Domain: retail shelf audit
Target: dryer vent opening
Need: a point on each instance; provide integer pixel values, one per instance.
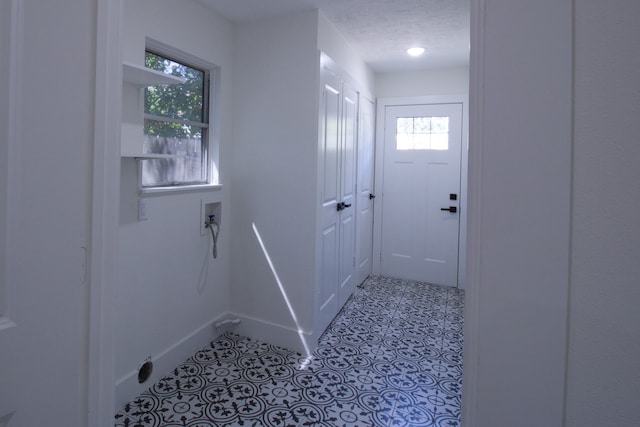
(145, 371)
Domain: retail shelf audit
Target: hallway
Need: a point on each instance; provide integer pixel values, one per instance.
(392, 357)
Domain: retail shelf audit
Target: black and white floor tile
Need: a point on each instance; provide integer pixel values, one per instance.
(392, 357)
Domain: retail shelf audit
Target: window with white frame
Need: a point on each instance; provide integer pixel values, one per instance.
(176, 124)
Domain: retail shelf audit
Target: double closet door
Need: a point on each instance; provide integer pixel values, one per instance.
(338, 138)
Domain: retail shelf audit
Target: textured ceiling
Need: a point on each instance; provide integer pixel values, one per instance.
(379, 30)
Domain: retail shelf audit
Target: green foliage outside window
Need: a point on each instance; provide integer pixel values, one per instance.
(177, 101)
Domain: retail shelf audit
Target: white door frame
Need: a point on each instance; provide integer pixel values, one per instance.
(105, 214)
(382, 104)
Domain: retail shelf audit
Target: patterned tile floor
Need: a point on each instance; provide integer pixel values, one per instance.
(392, 357)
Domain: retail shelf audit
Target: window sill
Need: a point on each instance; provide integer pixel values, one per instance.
(179, 189)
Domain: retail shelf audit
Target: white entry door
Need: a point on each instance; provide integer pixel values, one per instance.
(421, 192)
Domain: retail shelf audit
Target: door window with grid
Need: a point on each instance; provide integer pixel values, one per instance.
(422, 133)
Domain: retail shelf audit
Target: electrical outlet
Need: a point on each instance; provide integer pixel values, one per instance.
(142, 210)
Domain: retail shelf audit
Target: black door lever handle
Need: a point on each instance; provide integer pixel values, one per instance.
(342, 206)
(451, 209)
(372, 196)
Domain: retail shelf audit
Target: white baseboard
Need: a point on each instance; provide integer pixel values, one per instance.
(279, 335)
(127, 387)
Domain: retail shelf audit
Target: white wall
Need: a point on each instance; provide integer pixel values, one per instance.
(441, 81)
(274, 169)
(520, 195)
(564, 253)
(43, 354)
(170, 290)
(331, 42)
(603, 381)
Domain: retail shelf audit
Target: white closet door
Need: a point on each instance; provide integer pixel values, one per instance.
(347, 213)
(337, 153)
(330, 169)
(366, 147)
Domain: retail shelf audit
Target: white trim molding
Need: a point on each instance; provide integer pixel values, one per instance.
(474, 211)
(127, 387)
(105, 213)
(519, 224)
(14, 136)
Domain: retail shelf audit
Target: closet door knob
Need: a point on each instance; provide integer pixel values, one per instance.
(342, 206)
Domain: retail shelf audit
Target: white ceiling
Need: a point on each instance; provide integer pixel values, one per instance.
(379, 30)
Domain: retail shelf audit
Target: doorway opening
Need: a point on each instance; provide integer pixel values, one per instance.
(421, 174)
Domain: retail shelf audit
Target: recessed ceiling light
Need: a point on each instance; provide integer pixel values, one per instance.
(415, 51)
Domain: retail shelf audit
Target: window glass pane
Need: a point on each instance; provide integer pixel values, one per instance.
(422, 133)
(185, 143)
(405, 126)
(177, 101)
(440, 124)
(404, 141)
(439, 141)
(422, 125)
